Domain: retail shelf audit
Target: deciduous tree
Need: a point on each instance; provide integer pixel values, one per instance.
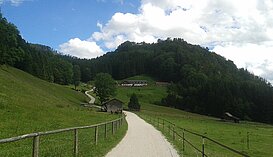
(105, 86)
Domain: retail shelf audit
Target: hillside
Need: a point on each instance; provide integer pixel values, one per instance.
(198, 75)
(28, 104)
(228, 133)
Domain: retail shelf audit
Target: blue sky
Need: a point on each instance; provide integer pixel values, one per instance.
(53, 22)
(238, 30)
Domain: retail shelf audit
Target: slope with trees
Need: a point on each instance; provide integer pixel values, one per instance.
(38, 60)
(203, 81)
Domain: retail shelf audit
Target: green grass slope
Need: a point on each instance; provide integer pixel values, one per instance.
(142, 77)
(28, 104)
(147, 95)
(233, 135)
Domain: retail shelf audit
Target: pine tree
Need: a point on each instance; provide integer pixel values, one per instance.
(76, 75)
(134, 104)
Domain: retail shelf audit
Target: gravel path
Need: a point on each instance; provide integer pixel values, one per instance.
(92, 99)
(142, 140)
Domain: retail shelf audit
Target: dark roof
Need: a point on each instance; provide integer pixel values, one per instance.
(107, 102)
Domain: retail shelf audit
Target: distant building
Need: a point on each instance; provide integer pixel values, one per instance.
(162, 83)
(113, 106)
(229, 117)
(134, 83)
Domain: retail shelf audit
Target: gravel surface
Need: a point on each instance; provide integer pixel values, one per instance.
(92, 99)
(142, 140)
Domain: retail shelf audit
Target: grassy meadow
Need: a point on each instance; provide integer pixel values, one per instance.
(29, 104)
(230, 134)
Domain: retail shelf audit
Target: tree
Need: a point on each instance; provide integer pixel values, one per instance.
(76, 75)
(134, 104)
(105, 86)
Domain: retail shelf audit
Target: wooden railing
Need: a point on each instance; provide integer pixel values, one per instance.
(115, 124)
(176, 131)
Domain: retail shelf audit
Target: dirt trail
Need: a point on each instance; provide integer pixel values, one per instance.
(142, 140)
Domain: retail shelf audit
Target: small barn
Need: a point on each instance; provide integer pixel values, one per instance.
(229, 117)
(134, 83)
(113, 106)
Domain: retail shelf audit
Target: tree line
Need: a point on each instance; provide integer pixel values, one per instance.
(202, 81)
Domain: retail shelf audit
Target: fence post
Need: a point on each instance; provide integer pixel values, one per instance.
(76, 142)
(183, 142)
(105, 131)
(163, 125)
(35, 149)
(113, 128)
(247, 140)
(157, 122)
(169, 128)
(123, 119)
(173, 134)
(96, 134)
(203, 146)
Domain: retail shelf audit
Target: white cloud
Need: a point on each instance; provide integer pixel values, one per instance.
(239, 30)
(13, 2)
(256, 58)
(199, 22)
(81, 48)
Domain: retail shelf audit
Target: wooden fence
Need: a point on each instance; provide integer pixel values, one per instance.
(115, 124)
(176, 131)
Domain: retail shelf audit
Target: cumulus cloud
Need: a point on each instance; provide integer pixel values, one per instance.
(13, 2)
(81, 48)
(199, 22)
(239, 30)
(258, 59)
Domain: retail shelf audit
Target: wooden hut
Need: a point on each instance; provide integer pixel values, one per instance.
(113, 106)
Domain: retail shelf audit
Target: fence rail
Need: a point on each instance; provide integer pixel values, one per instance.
(36, 136)
(172, 129)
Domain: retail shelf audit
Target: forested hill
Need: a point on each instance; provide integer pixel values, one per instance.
(203, 81)
(38, 60)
